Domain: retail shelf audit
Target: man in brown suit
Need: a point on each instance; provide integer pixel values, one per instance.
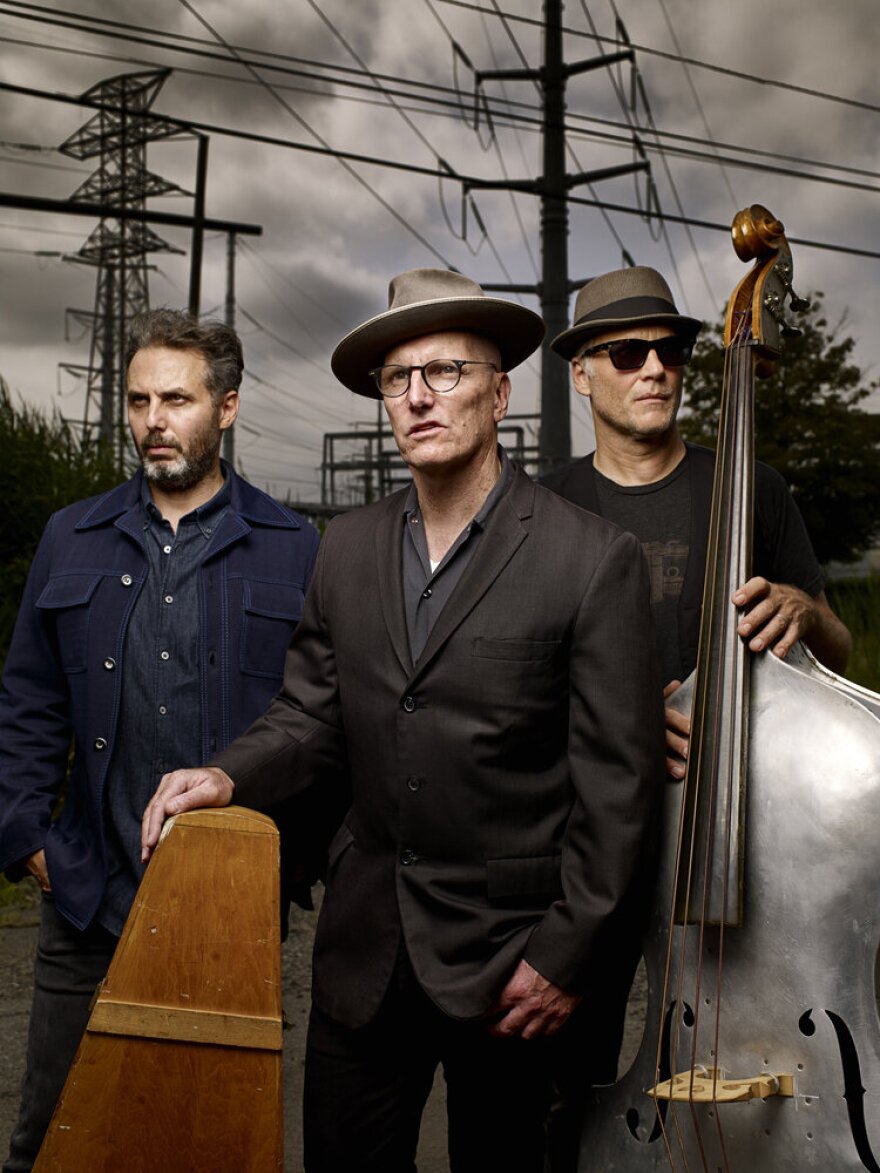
(476, 658)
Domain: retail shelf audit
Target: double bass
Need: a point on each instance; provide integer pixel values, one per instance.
(761, 1050)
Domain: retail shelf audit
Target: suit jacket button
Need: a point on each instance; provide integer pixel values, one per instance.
(407, 857)
(100, 743)
(126, 580)
(414, 782)
(109, 663)
(409, 704)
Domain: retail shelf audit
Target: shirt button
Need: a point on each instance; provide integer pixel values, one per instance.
(162, 710)
(409, 704)
(100, 743)
(165, 655)
(126, 580)
(414, 783)
(169, 598)
(426, 593)
(109, 663)
(166, 549)
(407, 857)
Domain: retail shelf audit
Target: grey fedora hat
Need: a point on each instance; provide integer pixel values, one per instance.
(625, 297)
(422, 301)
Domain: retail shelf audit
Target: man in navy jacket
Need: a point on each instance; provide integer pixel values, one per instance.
(153, 629)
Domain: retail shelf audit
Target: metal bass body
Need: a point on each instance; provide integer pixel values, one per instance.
(797, 981)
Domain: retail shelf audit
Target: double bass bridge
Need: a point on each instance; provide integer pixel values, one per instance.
(709, 1085)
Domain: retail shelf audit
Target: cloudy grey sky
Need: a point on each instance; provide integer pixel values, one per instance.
(330, 243)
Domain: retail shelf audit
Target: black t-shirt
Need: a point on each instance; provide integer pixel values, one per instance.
(680, 504)
(659, 516)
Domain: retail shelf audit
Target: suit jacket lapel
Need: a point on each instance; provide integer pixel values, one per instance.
(504, 534)
(389, 570)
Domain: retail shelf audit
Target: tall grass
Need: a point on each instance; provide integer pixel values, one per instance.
(857, 602)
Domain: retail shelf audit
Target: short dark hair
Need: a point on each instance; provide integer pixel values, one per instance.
(217, 343)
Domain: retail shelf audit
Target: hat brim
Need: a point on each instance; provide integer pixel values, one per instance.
(570, 341)
(515, 330)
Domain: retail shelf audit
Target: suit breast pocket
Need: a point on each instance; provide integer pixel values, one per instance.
(67, 598)
(271, 611)
(523, 681)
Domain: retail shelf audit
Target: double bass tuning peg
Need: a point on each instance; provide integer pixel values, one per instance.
(783, 270)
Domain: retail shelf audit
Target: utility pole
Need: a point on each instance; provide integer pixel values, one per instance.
(554, 443)
(555, 434)
(229, 317)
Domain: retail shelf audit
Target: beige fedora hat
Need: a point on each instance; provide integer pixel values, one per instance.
(422, 301)
(625, 297)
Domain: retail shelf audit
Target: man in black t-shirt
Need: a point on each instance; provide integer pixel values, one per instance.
(628, 348)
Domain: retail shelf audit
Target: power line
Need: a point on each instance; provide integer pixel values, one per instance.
(281, 341)
(272, 140)
(257, 258)
(531, 120)
(670, 28)
(740, 74)
(342, 162)
(409, 122)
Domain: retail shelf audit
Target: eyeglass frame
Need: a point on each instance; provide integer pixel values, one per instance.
(652, 344)
(375, 372)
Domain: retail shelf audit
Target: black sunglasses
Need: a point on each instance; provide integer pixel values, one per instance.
(631, 354)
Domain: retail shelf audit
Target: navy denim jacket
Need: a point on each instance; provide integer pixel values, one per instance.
(62, 675)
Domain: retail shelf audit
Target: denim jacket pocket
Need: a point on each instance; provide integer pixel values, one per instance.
(67, 598)
(271, 611)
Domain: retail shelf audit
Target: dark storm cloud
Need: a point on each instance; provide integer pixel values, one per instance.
(329, 247)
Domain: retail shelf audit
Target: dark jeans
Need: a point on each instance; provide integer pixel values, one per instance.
(69, 964)
(365, 1091)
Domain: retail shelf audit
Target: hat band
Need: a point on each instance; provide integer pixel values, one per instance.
(629, 307)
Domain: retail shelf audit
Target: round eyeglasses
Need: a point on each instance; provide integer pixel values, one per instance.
(631, 354)
(440, 374)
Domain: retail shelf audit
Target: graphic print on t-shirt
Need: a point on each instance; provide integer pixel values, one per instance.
(667, 562)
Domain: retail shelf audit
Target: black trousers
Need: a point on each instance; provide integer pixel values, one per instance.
(68, 966)
(365, 1091)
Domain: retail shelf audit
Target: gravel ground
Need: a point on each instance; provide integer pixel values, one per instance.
(18, 932)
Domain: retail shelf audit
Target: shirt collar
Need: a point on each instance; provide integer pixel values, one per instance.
(204, 516)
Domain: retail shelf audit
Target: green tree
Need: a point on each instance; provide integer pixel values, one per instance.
(809, 426)
(43, 468)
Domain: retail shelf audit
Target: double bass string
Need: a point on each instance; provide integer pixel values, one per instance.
(736, 558)
(690, 796)
(720, 530)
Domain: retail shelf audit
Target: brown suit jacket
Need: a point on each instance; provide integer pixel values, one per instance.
(503, 788)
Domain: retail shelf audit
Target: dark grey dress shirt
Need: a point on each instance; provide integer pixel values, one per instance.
(160, 716)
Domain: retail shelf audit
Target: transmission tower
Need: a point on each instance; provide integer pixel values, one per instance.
(117, 135)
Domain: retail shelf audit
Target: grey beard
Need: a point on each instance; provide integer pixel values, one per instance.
(183, 473)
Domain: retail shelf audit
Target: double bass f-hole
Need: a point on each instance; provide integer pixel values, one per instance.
(761, 1052)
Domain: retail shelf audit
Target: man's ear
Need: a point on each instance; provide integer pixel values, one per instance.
(579, 377)
(502, 398)
(228, 409)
